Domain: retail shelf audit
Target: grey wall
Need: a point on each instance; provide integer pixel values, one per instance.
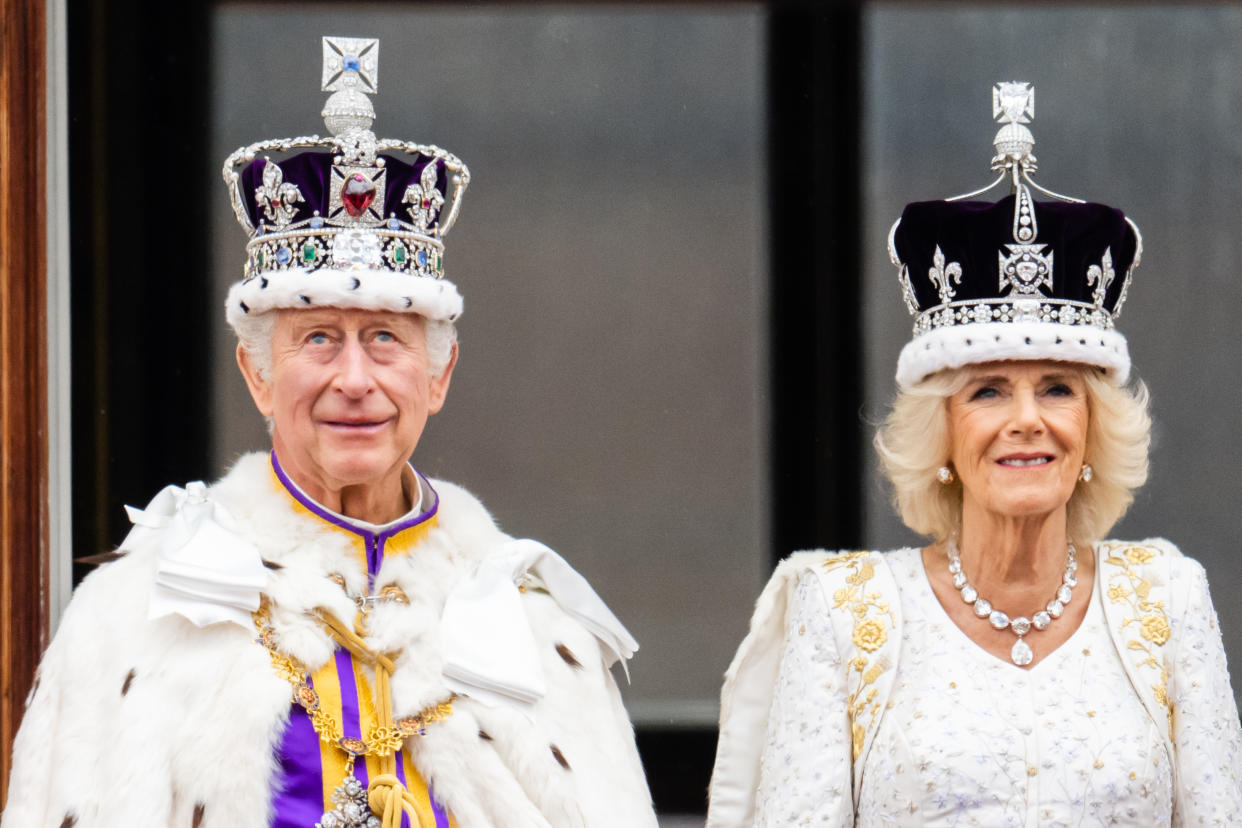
(1137, 107)
(610, 398)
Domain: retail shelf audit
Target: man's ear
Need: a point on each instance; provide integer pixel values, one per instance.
(260, 387)
(440, 384)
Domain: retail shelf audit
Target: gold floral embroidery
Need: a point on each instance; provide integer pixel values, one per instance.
(1117, 593)
(870, 634)
(1128, 586)
(1155, 629)
(868, 609)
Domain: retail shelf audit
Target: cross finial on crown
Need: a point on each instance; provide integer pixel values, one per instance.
(351, 63)
(1013, 102)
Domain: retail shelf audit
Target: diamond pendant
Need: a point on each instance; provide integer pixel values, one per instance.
(1021, 653)
(352, 808)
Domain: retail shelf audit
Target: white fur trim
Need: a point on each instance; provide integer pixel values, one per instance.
(970, 344)
(328, 287)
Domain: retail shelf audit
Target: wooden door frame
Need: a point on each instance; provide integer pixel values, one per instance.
(23, 362)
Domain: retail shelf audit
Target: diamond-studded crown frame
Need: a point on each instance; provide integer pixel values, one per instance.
(348, 220)
(1018, 278)
(958, 263)
(459, 174)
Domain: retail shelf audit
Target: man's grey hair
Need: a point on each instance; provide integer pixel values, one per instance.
(254, 331)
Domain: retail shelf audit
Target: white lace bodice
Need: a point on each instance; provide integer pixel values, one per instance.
(970, 739)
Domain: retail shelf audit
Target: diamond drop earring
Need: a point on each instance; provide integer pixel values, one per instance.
(945, 475)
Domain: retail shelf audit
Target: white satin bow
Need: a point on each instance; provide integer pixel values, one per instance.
(205, 569)
(489, 648)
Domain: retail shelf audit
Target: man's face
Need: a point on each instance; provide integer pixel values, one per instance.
(349, 393)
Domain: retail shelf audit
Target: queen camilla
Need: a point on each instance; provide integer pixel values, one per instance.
(325, 638)
(1020, 669)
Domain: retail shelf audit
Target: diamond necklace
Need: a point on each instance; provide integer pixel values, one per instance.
(1021, 654)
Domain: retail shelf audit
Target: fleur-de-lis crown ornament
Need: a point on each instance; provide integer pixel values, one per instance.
(347, 220)
(1017, 278)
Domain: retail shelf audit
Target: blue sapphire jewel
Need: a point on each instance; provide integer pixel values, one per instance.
(393, 224)
(421, 256)
(316, 222)
(283, 255)
(351, 63)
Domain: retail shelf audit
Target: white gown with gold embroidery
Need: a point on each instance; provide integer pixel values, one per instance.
(1064, 743)
(968, 739)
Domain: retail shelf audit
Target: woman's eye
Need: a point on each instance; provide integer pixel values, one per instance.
(1060, 389)
(318, 338)
(985, 392)
(385, 336)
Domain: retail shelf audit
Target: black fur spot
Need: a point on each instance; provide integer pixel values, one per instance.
(568, 655)
(408, 301)
(304, 298)
(243, 307)
(129, 679)
(357, 283)
(262, 282)
(101, 558)
(69, 821)
(199, 810)
(485, 736)
(272, 565)
(560, 757)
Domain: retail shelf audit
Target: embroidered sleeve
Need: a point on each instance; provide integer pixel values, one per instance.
(1206, 734)
(805, 770)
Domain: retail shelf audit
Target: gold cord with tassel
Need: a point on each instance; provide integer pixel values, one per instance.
(387, 796)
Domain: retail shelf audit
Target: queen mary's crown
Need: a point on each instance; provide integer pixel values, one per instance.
(350, 220)
(1016, 278)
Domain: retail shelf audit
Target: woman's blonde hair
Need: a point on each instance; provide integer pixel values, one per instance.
(914, 442)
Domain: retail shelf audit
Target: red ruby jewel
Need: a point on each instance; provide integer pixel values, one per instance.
(357, 194)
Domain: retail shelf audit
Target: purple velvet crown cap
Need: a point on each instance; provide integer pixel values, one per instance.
(974, 234)
(311, 173)
(979, 295)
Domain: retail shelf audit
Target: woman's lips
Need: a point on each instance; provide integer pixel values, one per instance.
(1022, 461)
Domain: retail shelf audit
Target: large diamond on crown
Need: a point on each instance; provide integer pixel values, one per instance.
(1026, 269)
(356, 195)
(357, 250)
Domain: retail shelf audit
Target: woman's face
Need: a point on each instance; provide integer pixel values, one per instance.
(1018, 433)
